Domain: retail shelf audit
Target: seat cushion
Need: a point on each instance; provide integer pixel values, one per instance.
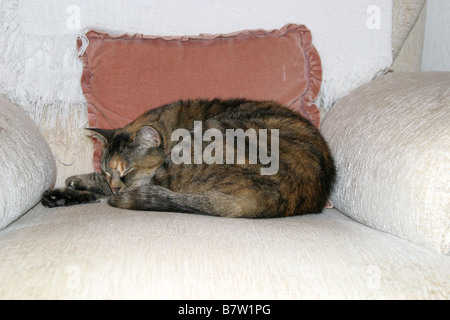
(99, 252)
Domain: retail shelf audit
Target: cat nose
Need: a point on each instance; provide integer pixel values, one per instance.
(115, 190)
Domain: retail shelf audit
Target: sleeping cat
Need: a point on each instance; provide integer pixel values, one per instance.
(146, 166)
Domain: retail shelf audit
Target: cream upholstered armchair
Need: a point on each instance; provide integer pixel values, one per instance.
(387, 237)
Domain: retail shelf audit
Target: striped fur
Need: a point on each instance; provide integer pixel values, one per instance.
(139, 174)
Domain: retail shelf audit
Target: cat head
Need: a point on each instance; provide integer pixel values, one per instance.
(129, 157)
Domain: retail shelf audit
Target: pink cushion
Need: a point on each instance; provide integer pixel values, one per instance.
(126, 75)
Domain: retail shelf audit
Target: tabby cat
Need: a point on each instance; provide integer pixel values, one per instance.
(145, 166)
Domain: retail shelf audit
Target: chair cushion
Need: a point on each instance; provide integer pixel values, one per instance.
(100, 252)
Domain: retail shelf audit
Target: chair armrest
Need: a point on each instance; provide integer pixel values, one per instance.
(28, 165)
(391, 142)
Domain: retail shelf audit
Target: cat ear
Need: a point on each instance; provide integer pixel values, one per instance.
(103, 135)
(147, 137)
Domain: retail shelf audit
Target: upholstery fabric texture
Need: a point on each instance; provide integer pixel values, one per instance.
(124, 76)
(391, 143)
(100, 252)
(28, 166)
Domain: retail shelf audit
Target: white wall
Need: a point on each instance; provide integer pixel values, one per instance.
(436, 52)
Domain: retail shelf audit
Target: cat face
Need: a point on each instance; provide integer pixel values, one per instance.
(129, 158)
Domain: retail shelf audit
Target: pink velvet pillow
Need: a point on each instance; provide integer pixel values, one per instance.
(127, 75)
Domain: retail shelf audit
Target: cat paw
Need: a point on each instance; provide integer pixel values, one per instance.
(120, 200)
(66, 197)
(54, 198)
(76, 183)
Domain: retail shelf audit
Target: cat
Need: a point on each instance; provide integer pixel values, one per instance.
(146, 167)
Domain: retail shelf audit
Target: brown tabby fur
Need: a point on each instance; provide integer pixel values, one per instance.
(138, 173)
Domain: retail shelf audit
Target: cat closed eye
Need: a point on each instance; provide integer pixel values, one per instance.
(128, 171)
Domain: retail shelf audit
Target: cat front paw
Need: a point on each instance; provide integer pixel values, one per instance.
(77, 183)
(54, 198)
(93, 182)
(121, 200)
(66, 197)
